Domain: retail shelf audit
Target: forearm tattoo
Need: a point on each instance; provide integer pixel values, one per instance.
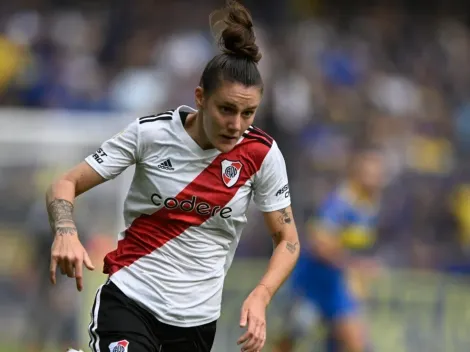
(66, 230)
(60, 217)
(277, 238)
(292, 247)
(285, 218)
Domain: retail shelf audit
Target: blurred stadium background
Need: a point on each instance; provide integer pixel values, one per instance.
(73, 73)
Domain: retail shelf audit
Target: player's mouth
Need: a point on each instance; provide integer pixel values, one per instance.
(229, 139)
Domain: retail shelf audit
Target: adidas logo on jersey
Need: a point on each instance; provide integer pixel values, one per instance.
(166, 165)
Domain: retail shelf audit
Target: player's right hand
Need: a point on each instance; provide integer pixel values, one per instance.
(68, 254)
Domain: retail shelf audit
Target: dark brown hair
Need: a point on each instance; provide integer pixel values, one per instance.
(240, 54)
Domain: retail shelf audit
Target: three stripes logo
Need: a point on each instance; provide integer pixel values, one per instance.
(166, 165)
(151, 118)
(259, 135)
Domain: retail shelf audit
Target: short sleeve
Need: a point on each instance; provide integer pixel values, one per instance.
(331, 213)
(116, 154)
(271, 185)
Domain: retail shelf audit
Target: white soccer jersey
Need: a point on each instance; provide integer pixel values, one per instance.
(184, 212)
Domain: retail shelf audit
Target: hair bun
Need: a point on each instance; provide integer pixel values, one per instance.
(233, 29)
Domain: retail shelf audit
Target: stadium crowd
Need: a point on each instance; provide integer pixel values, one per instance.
(380, 76)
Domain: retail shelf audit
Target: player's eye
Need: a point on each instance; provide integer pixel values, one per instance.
(248, 114)
(226, 110)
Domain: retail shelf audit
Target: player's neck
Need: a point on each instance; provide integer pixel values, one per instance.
(194, 127)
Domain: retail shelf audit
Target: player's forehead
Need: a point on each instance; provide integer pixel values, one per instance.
(237, 95)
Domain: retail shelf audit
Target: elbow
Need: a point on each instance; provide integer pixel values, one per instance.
(297, 253)
(298, 249)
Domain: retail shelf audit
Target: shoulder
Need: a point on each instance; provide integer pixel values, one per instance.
(258, 148)
(258, 145)
(155, 121)
(257, 136)
(154, 118)
(335, 200)
(157, 127)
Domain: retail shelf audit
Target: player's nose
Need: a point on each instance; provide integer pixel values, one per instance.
(234, 125)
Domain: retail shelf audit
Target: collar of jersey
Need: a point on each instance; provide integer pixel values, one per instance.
(353, 194)
(187, 139)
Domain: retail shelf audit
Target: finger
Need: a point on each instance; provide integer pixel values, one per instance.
(257, 342)
(79, 274)
(243, 323)
(243, 317)
(253, 341)
(87, 261)
(69, 266)
(260, 337)
(245, 337)
(52, 271)
(251, 334)
(257, 338)
(63, 267)
(263, 337)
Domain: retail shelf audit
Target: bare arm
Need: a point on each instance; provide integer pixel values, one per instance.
(67, 252)
(326, 245)
(61, 195)
(286, 249)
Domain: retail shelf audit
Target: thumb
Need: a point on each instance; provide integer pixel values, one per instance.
(244, 317)
(87, 262)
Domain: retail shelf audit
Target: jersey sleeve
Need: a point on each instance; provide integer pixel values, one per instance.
(271, 185)
(117, 153)
(331, 214)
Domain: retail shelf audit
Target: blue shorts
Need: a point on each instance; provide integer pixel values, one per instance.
(319, 292)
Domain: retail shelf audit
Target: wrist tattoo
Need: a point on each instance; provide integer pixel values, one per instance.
(292, 247)
(60, 212)
(66, 230)
(285, 218)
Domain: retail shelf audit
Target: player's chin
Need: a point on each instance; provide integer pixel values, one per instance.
(225, 145)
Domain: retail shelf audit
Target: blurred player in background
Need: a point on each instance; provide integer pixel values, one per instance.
(196, 173)
(333, 269)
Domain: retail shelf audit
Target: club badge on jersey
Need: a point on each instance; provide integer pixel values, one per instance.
(119, 346)
(231, 172)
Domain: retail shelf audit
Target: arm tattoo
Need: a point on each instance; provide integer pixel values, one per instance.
(292, 247)
(66, 230)
(276, 238)
(60, 212)
(285, 218)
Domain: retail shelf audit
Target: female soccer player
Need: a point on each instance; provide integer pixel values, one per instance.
(196, 171)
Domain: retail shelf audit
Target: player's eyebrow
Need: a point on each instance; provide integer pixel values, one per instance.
(232, 105)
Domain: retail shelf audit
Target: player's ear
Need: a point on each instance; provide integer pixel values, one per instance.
(199, 96)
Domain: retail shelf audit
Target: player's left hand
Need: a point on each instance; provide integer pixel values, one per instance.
(253, 317)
